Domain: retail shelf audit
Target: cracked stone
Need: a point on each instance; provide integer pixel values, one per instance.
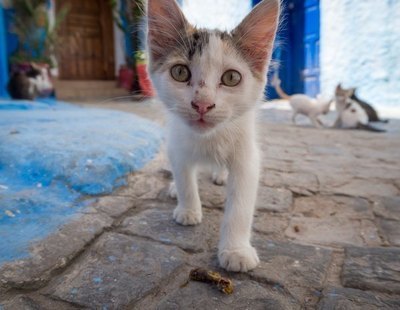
(366, 188)
(274, 199)
(353, 299)
(117, 272)
(143, 186)
(246, 295)
(160, 226)
(372, 269)
(325, 231)
(299, 182)
(53, 253)
(22, 302)
(211, 195)
(269, 224)
(291, 265)
(391, 230)
(333, 206)
(388, 208)
(114, 206)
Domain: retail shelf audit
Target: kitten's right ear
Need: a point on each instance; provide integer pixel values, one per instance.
(339, 87)
(166, 26)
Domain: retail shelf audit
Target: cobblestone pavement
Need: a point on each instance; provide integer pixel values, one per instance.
(327, 230)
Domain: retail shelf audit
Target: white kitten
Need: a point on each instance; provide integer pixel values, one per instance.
(303, 104)
(210, 83)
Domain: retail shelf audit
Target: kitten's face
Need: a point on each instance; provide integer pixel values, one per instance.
(342, 94)
(209, 78)
(211, 71)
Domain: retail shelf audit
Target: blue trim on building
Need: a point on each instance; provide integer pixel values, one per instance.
(296, 51)
(3, 56)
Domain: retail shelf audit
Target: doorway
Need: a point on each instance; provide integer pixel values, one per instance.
(87, 42)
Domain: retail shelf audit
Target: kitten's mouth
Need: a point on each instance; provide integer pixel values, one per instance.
(202, 123)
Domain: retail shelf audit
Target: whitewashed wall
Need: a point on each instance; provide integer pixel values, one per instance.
(360, 46)
(219, 14)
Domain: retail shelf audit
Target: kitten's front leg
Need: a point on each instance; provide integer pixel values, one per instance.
(188, 211)
(235, 252)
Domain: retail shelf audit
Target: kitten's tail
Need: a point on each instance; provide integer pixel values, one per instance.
(276, 82)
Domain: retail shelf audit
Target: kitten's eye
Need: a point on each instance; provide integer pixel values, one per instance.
(231, 78)
(180, 73)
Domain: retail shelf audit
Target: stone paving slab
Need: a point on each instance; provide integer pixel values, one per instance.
(372, 269)
(118, 271)
(353, 299)
(390, 230)
(387, 208)
(298, 268)
(37, 302)
(247, 295)
(334, 231)
(159, 225)
(327, 206)
(298, 182)
(53, 253)
(274, 199)
(322, 193)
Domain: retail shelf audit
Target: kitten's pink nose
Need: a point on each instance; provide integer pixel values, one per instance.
(202, 107)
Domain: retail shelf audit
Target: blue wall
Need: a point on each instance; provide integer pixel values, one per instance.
(296, 53)
(3, 56)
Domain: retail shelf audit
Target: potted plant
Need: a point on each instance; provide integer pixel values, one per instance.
(127, 18)
(37, 35)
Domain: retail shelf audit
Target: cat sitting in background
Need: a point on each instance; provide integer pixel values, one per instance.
(352, 114)
(30, 84)
(303, 104)
(210, 83)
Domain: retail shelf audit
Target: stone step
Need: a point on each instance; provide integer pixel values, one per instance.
(88, 90)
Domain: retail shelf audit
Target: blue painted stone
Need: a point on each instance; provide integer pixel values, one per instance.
(53, 154)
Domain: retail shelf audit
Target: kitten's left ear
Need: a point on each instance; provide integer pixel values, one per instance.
(256, 33)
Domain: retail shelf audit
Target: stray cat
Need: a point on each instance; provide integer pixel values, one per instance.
(351, 93)
(30, 84)
(351, 114)
(302, 104)
(211, 82)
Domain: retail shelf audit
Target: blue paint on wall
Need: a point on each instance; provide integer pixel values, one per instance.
(296, 53)
(3, 56)
(52, 155)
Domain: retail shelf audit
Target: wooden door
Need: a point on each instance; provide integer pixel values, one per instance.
(87, 43)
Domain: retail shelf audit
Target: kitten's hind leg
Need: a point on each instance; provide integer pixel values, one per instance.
(219, 176)
(294, 117)
(316, 122)
(188, 210)
(172, 190)
(338, 122)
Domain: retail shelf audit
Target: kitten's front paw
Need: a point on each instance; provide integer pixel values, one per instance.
(187, 217)
(239, 259)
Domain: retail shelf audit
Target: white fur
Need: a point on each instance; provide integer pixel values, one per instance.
(353, 115)
(231, 144)
(227, 142)
(310, 107)
(40, 84)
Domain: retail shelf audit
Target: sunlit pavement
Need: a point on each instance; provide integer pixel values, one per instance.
(327, 230)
